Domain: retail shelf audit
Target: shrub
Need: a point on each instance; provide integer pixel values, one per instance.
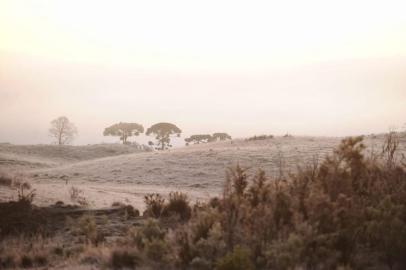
(40, 260)
(238, 259)
(155, 204)
(179, 205)
(200, 264)
(346, 212)
(24, 197)
(5, 180)
(147, 232)
(8, 261)
(86, 225)
(124, 259)
(19, 183)
(129, 210)
(156, 249)
(26, 261)
(77, 196)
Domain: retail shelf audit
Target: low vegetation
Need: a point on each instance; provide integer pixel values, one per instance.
(260, 137)
(346, 211)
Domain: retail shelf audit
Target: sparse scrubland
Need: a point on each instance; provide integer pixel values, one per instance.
(345, 211)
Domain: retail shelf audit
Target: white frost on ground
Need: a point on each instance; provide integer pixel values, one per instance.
(110, 173)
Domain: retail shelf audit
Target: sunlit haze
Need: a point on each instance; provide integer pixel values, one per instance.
(325, 68)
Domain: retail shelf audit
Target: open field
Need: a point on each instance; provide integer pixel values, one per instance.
(111, 173)
(325, 207)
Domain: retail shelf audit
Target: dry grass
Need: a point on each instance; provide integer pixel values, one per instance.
(345, 210)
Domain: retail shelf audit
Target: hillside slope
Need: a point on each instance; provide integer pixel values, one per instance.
(199, 169)
(26, 157)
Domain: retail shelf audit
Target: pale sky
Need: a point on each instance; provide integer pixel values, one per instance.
(327, 68)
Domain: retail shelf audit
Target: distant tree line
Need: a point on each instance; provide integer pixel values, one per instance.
(65, 131)
(205, 138)
(162, 132)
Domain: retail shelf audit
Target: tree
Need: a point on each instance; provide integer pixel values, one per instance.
(200, 138)
(124, 130)
(162, 133)
(62, 130)
(220, 136)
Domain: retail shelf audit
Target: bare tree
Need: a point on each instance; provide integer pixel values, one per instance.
(62, 130)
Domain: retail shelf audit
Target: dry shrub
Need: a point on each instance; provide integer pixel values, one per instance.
(26, 252)
(150, 239)
(5, 179)
(124, 258)
(18, 182)
(86, 226)
(129, 210)
(25, 194)
(77, 196)
(155, 205)
(178, 205)
(345, 212)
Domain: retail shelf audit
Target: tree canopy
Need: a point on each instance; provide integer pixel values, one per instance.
(221, 136)
(199, 138)
(163, 133)
(124, 130)
(62, 130)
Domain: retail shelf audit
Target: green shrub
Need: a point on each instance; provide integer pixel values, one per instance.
(147, 232)
(86, 225)
(156, 249)
(238, 259)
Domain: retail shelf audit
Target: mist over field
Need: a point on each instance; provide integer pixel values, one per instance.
(212, 135)
(327, 99)
(307, 73)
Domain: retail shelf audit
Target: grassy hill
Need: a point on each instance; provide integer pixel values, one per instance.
(109, 173)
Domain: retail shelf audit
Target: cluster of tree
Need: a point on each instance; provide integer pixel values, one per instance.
(162, 132)
(65, 131)
(205, 138)
(345, 212)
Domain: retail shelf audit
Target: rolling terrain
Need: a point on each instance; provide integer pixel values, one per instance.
(117, 173)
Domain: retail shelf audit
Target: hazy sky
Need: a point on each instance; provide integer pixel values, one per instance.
(244, 67)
